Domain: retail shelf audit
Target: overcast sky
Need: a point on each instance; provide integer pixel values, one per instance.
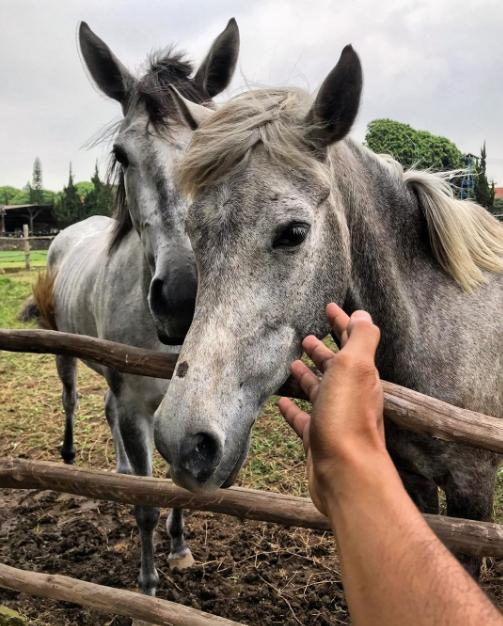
(436, 64)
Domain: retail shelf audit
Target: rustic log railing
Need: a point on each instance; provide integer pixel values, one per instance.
(470, 537)
(405, 407)
(107, 599)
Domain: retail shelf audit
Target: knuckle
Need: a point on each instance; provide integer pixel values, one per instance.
(355, 365)
(342, 360)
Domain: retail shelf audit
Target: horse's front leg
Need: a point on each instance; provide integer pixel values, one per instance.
(136, 432)
(180, 556)
(112, 415)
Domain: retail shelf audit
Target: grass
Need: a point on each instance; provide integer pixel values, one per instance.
(15, 259)
(31, 416)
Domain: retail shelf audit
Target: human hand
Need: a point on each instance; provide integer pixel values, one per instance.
(347, 415)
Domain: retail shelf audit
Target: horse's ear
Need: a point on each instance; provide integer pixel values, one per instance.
(112, 78)
(217, 69)
(336, 105)
(193, 114)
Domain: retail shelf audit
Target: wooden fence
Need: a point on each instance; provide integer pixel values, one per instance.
(24, 243)
(405, 407)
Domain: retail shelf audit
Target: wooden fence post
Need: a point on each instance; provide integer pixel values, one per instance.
(27, 259)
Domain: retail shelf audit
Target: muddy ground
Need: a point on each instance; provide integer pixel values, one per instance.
(251, 572)
(255, 573)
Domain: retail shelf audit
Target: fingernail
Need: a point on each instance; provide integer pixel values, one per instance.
(361, 315)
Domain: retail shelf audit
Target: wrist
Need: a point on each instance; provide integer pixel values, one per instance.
(361, 473)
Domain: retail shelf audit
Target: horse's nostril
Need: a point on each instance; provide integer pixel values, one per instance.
(206, 446)
(157, 295)
(201, 454)
(173, 299)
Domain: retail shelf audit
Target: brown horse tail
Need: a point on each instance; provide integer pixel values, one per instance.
(40, 305)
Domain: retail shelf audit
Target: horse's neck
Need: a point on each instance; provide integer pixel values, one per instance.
(389, 242)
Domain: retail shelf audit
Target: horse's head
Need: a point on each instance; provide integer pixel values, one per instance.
(147, 146)
(271, 243)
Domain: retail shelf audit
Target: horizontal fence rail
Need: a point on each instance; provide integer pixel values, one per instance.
(119, 356)
(30, 238)
(407, 408)
(470, 537)
(107, 599)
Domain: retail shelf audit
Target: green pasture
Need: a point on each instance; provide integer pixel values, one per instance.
(15, 259)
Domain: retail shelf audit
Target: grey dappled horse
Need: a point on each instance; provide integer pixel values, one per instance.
(132, 279)
(293, 216)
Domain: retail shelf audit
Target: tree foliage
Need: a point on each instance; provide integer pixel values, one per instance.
(412, 147)
(68, 207)
(7, 193)
(80, 200)
(36, 188)
(99, 199)
(482, 191)
(498, 206)
(75, 202)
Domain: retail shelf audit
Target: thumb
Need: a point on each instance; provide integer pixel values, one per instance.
(363, 336)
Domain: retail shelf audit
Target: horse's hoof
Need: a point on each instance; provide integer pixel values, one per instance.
(68, 457)
(181, 560)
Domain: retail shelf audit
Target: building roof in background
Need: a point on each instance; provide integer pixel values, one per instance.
(498, 192)
(20, 207)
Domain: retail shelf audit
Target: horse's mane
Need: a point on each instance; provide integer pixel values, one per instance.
(164, 68)
(272, 118)
(465, 238)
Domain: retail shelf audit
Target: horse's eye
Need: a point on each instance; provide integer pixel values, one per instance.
(121, 156)
(291, 236)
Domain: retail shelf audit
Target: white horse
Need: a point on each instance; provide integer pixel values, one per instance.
(288, 215)
(132, 279)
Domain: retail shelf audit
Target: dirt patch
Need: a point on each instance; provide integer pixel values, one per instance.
(247, 571)
(255, 573)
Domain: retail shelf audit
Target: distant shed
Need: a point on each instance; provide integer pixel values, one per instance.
(39, 217)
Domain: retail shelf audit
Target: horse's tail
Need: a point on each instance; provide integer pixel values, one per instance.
(40, 305)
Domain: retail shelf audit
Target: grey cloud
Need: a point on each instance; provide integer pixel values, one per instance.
(434, 64)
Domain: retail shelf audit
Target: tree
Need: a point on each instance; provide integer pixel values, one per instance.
(105, 193)
(483, 193)
(68, 208)
(22, 196)
(99, 199)
(36, 193)
(411, 147)
(84, 188)
(498, 206)
(7, 193)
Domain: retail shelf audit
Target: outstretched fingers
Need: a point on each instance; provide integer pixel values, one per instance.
(338, 320)
(317, 351)
(306, 378)
(296, 418)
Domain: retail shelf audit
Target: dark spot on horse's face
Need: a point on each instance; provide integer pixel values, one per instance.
(182, 368)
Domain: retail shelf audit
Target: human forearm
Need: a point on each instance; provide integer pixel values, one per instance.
(395, 570)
